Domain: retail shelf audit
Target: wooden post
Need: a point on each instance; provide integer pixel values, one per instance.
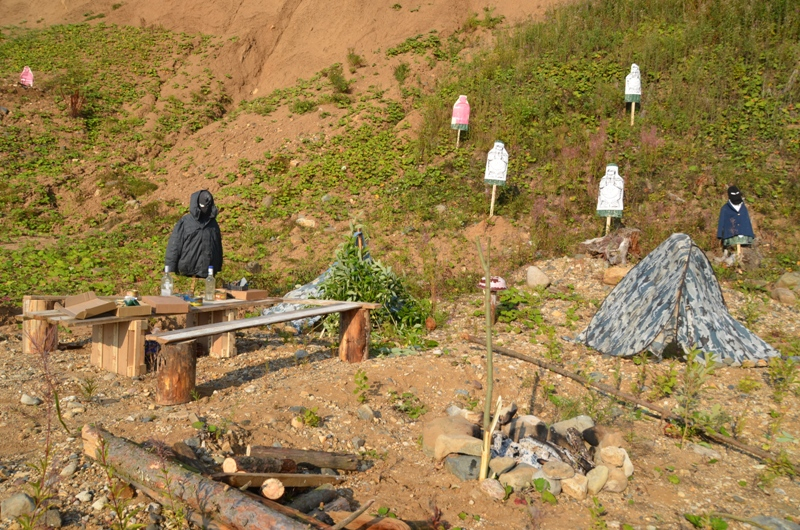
(608, 225)
(738, 252)
(491, 208)
(38, 331)
(633, 111)
(177, 369)
(354, 331)
(458, 138)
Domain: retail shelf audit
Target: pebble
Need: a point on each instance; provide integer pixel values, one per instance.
(16, 505)
(30, 400)
(69, 470)
(365, 413)
(84, 496)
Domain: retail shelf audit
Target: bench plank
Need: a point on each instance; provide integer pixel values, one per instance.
(180, 335)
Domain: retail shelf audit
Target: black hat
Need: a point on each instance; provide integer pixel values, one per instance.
(734, 195)
(204, 201)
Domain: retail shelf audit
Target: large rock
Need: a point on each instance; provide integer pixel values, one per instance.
(576, 487)
(596, 479)
(525, 426)
(617, 481)
(613, 456)
(580, 423)
(463, 466)
(518, 478)
(600, 436)
(16, 505)
(448, 425)
(462, 444)
(614, 275)
(493, 489)
(558, 470)
(501, 464)
(789, 280)
(536, 278)
(783, 295)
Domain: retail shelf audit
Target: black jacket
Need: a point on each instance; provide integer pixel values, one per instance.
(196, 242)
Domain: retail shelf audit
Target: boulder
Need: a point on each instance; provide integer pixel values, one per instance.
(576, 487)
(501, 464)
(783, 295)
(596, 479)
(558, 470)
(580, 423)
(463, 466)
(555, 485)
(789, 280)
(17, 505)
(518, 478)
(617, 481)
(493, 489)
(613, 456)
(536, 278)
(447, 425)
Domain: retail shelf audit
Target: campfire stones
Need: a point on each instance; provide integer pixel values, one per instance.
(580, 423)
(464, 444)
(518, 478)
(464, 467)
(493, 489)
(447, 425)
(555, 485)
(616, 457)
(558, 470)
(617, 481)
(576, 487)
(501, 464)
(596, 479)
(525, 426)
(507, 412)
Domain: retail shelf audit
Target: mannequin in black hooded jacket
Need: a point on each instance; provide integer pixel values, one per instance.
(196, 241)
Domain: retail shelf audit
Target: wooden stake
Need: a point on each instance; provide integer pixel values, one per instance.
(738, 252)
(633, 111)
(491, 209)
(608, 225)
(458, 138)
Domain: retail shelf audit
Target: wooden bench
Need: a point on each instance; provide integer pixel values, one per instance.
(176, 365)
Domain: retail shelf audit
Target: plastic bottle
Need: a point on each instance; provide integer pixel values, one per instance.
(166, 283)
(211, 286)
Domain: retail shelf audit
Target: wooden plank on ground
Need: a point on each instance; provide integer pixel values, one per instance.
(289, 480)
(180, 335)
(343, 461)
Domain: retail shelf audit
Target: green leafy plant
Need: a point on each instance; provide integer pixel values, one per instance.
(693, 381)
(596, 512)
(124, 513)
(401, 72)
(310, 417)
(706, 521)
(408, 404)
(88, 388)
(362, 385)
(783, 377)
(354, 60)
(542, 486)
(664, 383)
(748, 384)
(385, 511)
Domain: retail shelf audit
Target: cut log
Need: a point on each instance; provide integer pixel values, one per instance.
(354, 331)
(272, 489)
(255, 464)
(369, 522)
(177, 369)
(38, 335)
(228, 505)
(290, 480)
(343, 461)
(312, 499)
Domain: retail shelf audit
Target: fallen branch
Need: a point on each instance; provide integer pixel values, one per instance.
(230, 506)
(354, 516)
(606, 389)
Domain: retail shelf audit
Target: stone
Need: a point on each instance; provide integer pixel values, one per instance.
(536, 278)
(600, 436)
(493, 489)
(297, 423)
(617, 481)
(464, 467)
(84, 496)
(557, 470)
(306, 222)
(357, 442)
(596, 479)
(267, 201)
(100, 503)
(613, 456)
(365, 413)
(506, 413)
(16, 505)
(576, 487)
(627, 465)
(470, 415)
(525, 426)
(30, 400)
(555, 485)
(462, 444)
(580, 423)
(614, 275)
(501, 464)
(447, 425)
(518, 478)
(69, 469)
(52, 518)
(783, 295)
(789, 280)
(775, 522)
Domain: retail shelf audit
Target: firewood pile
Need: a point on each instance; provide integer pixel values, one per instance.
(266, 488)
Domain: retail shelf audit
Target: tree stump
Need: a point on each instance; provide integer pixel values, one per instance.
(176, 368)
(38, 334)
(354, 331)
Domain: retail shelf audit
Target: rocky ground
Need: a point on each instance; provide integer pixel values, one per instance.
(257, 394)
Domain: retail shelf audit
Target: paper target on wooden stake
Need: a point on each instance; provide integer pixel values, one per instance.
(612, 191)
(496, 165)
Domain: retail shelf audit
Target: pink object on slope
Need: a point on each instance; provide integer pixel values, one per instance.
(26, 78)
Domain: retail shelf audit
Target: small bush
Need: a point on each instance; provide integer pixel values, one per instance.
(401, 72)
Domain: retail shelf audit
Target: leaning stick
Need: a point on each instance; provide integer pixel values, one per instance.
(487, 408)
(353, 516)
(606, 389)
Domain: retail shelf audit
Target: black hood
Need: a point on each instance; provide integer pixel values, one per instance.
(209, 212)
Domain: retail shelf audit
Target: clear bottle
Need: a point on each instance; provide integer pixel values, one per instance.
(166, 283)
(211, 286)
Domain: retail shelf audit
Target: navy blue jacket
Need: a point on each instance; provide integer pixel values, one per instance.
(195, 243)
(733, 223)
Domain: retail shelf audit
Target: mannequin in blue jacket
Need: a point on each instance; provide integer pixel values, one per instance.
(734, 227)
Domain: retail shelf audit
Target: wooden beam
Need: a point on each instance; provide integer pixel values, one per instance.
(342, 461)
(180, 335)
(227, 505)
(289, 480)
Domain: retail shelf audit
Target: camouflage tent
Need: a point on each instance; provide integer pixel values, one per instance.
(672, 297)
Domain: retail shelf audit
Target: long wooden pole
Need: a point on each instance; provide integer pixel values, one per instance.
(458, 138)
(633, 111)
(664, 413)
(228, 505)
(491, 208)
(487, 407)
